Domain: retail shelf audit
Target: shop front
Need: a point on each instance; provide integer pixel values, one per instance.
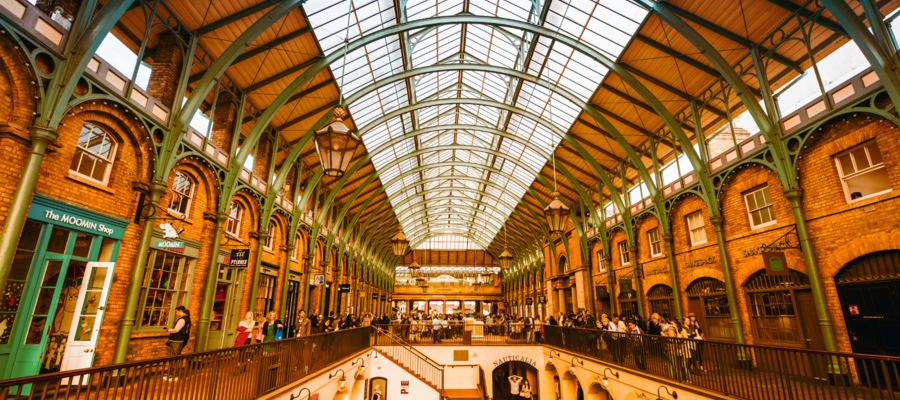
(226, 303)
(53, 307)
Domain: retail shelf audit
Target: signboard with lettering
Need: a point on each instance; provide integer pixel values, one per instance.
(700, 262)
(239, 258)
(383, 297)
(776, 263)
(344, 288)
(506, 304)
(542, 299)
(601, 291)
(317, 280)
(625, 285)
(170, 245)
(47, 210)
(529, 301)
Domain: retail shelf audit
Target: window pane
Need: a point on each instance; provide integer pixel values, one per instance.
(751, 201)
(846, 164)
(757, 220)
(868, 183)
(874, 154)
(862, 162)
(766, 199)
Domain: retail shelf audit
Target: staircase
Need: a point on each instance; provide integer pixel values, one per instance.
(411, 360)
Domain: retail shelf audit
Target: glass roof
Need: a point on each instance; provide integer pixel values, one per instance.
(457, 194)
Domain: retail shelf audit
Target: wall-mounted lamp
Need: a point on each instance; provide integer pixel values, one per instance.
(362, 368)
(572, 367)
(308, 394)
(605, 380)
(673, 393)
(551, 356)
(342, 383)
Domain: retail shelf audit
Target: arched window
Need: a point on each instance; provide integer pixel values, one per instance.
(94, 154)
(707, 299)
(296, 254)
(235, 214)
(270, 238)
(182, 192)
(563, 266)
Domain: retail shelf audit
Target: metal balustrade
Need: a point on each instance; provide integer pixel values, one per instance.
(737, 370)
(414, 361)
(238, 373)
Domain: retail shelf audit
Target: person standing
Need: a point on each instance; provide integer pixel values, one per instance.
(303, 324)
(525, 392)
(436, 327)
(245, 329)
(272, 328)
(514, 382)
(178, 338)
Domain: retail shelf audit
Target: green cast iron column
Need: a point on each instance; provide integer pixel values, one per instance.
(812, 270)
(673, 275)
(21, 200)
(729, 284)
(282, 311)
(137, 276)
(307, 275)
(254, 288)
(209, 292)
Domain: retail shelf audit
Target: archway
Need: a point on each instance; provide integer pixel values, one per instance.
(707, 300)
(569, 386)
(500, 384)
(597, 392)
(868, 290)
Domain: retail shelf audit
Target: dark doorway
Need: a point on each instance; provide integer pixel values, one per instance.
(326, 308)
(868, 290)
(501, 383)
(290, 311)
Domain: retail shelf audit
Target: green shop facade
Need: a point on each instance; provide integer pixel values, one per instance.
(52, 310)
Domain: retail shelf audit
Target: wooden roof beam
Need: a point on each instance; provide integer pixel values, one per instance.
(667, 87)
(235, 17)
(639, 103)
(733, 37)
(789, 6)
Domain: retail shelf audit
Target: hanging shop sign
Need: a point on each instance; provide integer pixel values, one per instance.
(58, 213)
(344, 288)
(778, 246)
(542, 299)
(383, 297)
(776, 263)
(700, 262)
(374, 296)
(625, 285)
(601, 291)
(529, 301)
(515, 303)
(239, 258)
(317, 280)
(505, 304)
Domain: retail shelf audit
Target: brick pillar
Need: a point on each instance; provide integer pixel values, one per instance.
(261, 163)
(70, 7)
(223, 122)
(166, 70)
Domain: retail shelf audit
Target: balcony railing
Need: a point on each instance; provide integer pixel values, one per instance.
(737, 370)
(244, 372)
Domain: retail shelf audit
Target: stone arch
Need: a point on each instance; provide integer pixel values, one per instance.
(125, 130)
(748, 178)
(250, 218)
(596, 391)
(830, 123)
(18, 88)
(562, 265)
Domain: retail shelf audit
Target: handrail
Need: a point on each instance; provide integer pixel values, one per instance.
(738, 370)
(243, 372)
(398, 339)
(406, 356)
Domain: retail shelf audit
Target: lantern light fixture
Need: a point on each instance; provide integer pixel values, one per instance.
(399, 244)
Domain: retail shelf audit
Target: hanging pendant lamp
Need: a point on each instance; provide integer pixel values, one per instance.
(399, 244)
(336, 144)
(556, 214)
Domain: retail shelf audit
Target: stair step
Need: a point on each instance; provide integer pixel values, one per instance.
(462, 394)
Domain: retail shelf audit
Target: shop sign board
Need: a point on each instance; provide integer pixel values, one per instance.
(317, 280)
(344, 288)
(47, 210)
(529, 301)
(776, 263)
(239, 258)
(542, 299)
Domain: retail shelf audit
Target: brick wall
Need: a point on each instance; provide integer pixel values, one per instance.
(223, 121)
(166, 70)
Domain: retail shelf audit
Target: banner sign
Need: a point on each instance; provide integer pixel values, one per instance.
(776, 263)
(239, 258)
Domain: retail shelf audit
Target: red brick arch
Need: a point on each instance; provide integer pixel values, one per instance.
(17, 90)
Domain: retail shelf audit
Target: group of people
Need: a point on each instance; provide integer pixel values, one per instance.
(271, 328)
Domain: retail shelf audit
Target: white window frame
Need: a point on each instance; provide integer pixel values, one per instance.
(871, 168)
(624, 257)
(701, 228)
(111, 160)
(601, 262)
(758, 208)
(655, 244)
(189, 195)
(234, 219)
(269, 243)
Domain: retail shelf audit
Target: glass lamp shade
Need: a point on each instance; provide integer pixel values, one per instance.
(506, 260)
(399, 244)
(414, 268)
(336, 145)
(421, 282)
(556, 213)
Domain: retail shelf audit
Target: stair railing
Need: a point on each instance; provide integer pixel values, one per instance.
(413, 360)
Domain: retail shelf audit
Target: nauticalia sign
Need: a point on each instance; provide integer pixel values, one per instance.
(514, 358)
